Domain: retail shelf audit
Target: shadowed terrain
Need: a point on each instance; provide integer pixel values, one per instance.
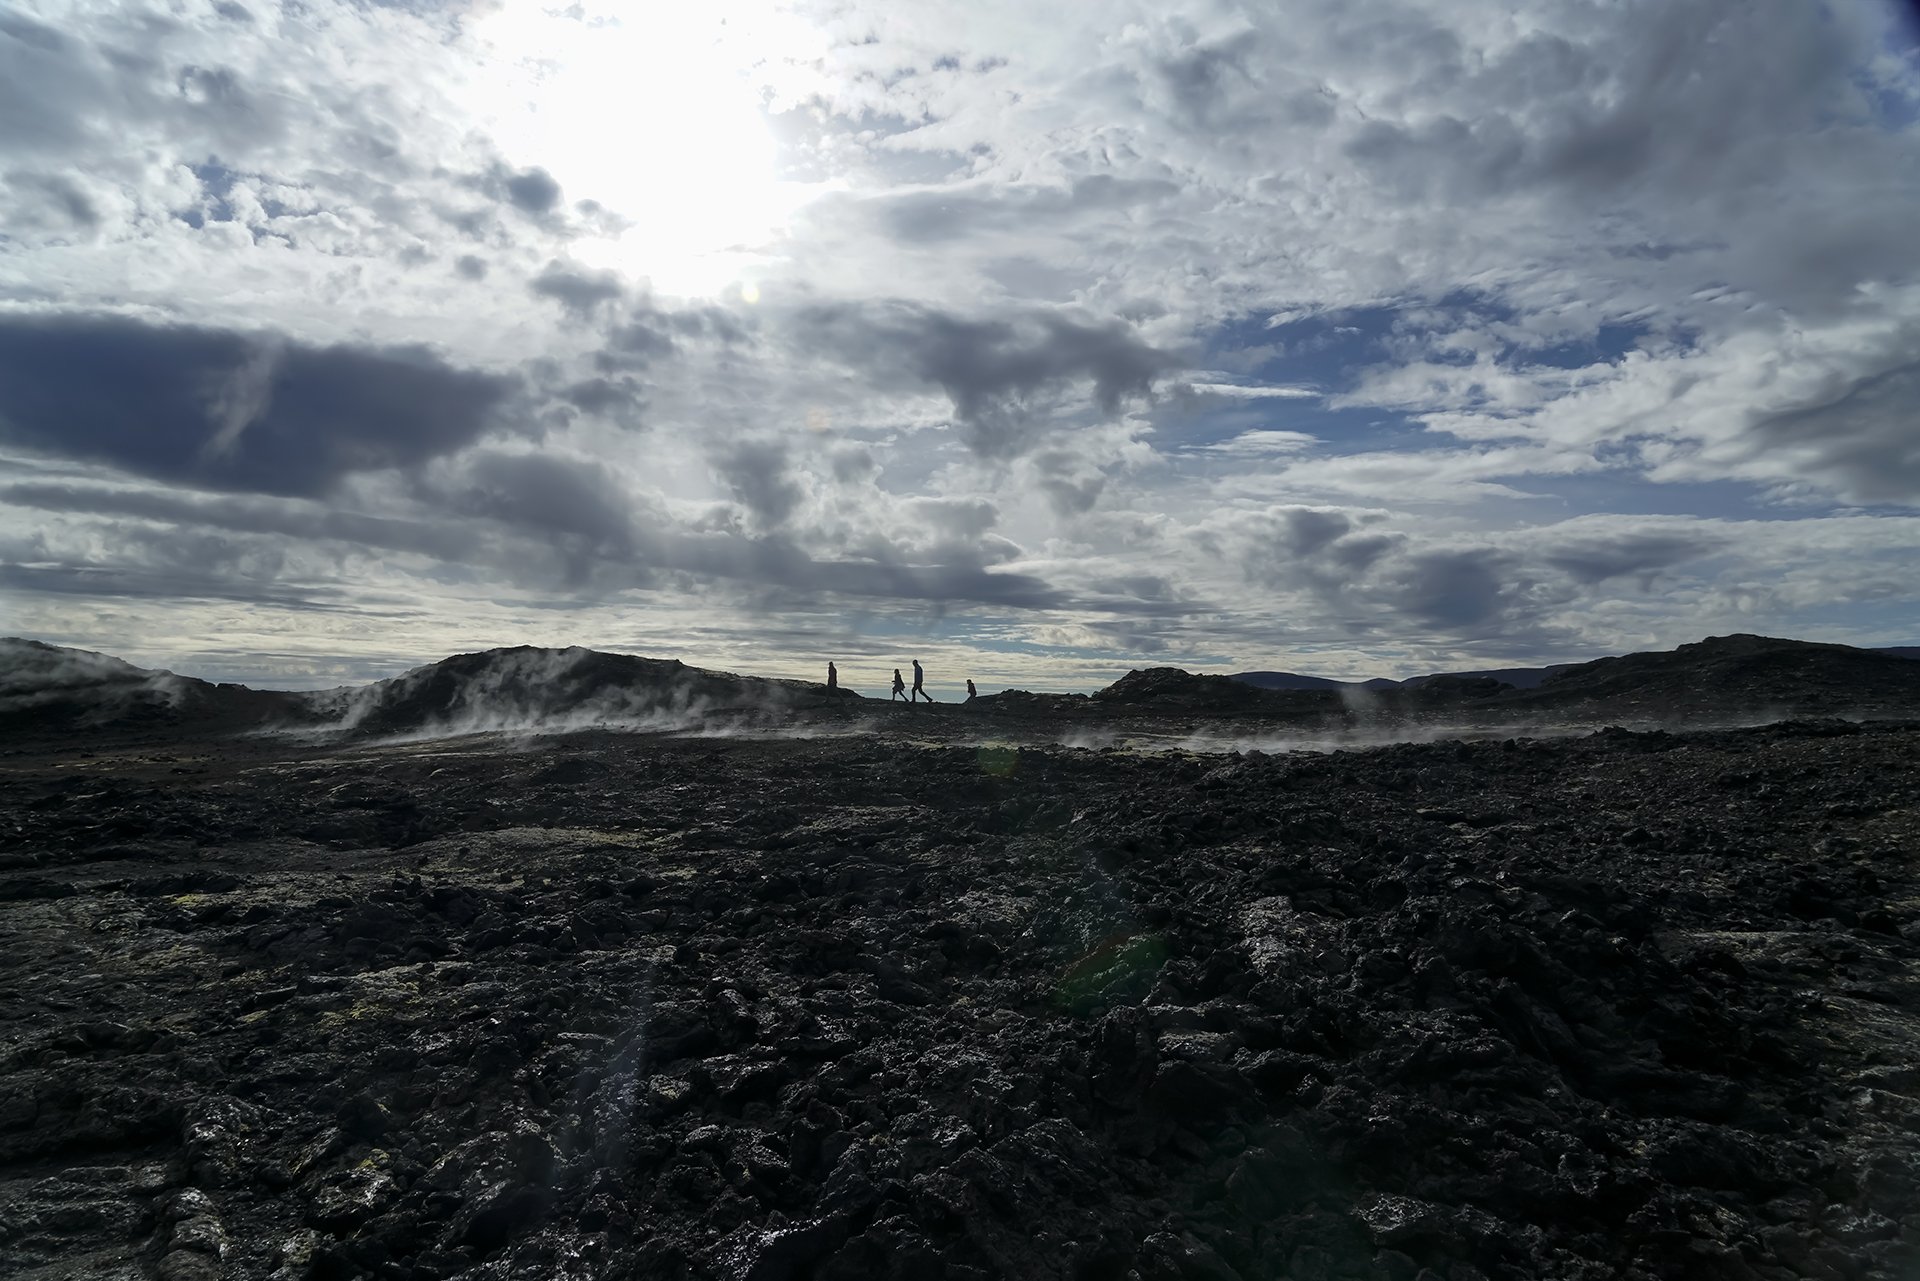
(808, 988)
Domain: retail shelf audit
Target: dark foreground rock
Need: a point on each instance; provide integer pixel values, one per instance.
(1629, 1005)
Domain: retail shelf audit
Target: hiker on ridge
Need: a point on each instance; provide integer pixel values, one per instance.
(919, 691)
(899, 686)
(833, 677)
(972, 693)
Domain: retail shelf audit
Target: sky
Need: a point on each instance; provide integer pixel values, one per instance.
(1038, 342)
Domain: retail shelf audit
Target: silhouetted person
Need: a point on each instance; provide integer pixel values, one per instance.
(899, 686)
(972, 693)
(919, 691)
(833, 677)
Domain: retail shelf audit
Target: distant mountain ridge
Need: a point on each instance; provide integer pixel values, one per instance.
(1518, 677)
(49, 689)
(53, 687)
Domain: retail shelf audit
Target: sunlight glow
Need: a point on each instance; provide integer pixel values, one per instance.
(654, 112)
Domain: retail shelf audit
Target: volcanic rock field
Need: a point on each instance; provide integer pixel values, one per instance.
(827, 989)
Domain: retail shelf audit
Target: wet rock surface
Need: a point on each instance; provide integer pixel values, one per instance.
(599, 1005)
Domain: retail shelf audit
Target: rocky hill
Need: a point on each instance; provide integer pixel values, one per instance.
(1518, 677)
(54, 689)
(1721, 677)
(1724, 674)
(532, 688)
(1170, 687)
(1294, 680)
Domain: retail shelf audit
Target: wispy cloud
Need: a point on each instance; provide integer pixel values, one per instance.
(1262, 443)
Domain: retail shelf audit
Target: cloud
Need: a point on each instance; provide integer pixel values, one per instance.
(231, 411)
(1261, 442)
(580, 291)
(757, 472)
(55, 202)
(1242, 391)
(1002, 374)
(534, 191)
(1641, 553)
(573, 499)
(292, 518)
(970, 212)
(1460, 591)
(1863, 437)
(1203, 331)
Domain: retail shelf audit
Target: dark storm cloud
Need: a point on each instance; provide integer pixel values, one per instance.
(1862, 438)
(990, 369)
(232, 411)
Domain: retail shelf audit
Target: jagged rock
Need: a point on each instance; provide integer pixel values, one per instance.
(639, 1005)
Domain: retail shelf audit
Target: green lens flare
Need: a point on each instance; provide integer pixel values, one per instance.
(999, 761)
(1120, 966)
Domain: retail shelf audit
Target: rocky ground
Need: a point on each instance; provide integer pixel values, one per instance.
(900, 1004)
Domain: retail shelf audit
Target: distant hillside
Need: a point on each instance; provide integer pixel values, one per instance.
(1287, 680)
(1172, 687)
(52, 688)
(1518, 677)
(529, 687)
(1745, 673)
(1722, 677)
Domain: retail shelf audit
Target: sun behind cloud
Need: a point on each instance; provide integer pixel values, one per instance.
(654, 114)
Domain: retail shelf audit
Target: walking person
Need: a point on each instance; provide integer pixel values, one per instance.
(919, 690)
(899, 687)
(833, 677)
(972, 693)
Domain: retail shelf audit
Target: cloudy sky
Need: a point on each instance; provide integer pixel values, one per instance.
(1037, 341)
